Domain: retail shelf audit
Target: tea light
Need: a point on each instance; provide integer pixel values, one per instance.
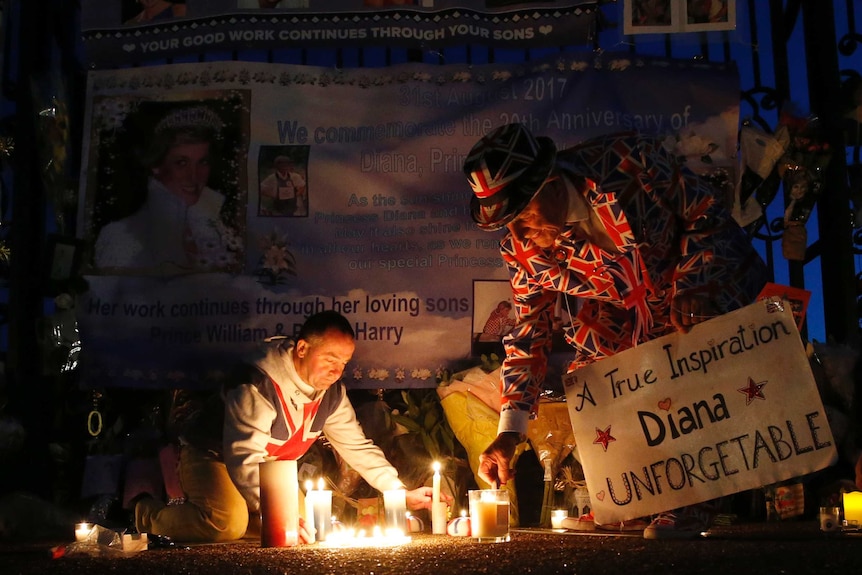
(489, 514)
(853, 509)
(82, 531)
(557, 517)
(830, 519)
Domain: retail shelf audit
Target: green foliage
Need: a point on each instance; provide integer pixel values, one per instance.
(490, 362)
(423, 415)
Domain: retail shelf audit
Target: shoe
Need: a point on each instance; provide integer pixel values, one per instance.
(685, 523)
(626, 526)
(583, 523)
(587, 522)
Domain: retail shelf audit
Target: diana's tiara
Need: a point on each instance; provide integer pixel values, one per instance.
(196, 117)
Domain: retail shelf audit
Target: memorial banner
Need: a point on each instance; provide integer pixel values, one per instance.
(307, 188)
(117, 32)
(686, 418)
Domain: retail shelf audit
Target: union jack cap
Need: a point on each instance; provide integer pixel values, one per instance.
(505, 169)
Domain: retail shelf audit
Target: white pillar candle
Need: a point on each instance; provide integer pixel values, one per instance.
(279, 504)
(310, 496)
(438, 511)
(439, 519)
(435, 483)
(322, 511)
(395, 506)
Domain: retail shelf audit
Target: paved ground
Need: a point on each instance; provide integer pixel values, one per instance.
(784, 548)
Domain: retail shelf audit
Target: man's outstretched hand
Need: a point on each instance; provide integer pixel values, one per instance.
(494, 462)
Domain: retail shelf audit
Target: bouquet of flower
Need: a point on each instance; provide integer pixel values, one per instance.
(801, 171)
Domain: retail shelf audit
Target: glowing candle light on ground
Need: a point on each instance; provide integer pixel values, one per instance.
(377, 538)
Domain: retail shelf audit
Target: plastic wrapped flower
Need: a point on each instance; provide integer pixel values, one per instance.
(277, 263)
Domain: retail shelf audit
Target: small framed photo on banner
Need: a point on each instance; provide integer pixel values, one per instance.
(651, 16)
(708, 15)
(63, 263)
(672, 16)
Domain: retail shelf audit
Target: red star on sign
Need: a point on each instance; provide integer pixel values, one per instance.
(753, 391)
(604, 437)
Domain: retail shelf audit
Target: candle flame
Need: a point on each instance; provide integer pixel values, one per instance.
(436, 466)
(321, 484)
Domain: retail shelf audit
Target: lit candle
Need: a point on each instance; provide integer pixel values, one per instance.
(310, 497)
(395, 506)
(853, 508)
(557, 518)
(439, 517)
(489, 514)
(438, 507)
(279, 503)
(82, 531)
(435, 486)
(322, 510)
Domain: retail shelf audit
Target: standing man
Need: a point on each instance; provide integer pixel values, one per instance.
(640, 240)
(277, 407)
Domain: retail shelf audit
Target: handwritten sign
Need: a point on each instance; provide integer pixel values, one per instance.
(686, 418)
